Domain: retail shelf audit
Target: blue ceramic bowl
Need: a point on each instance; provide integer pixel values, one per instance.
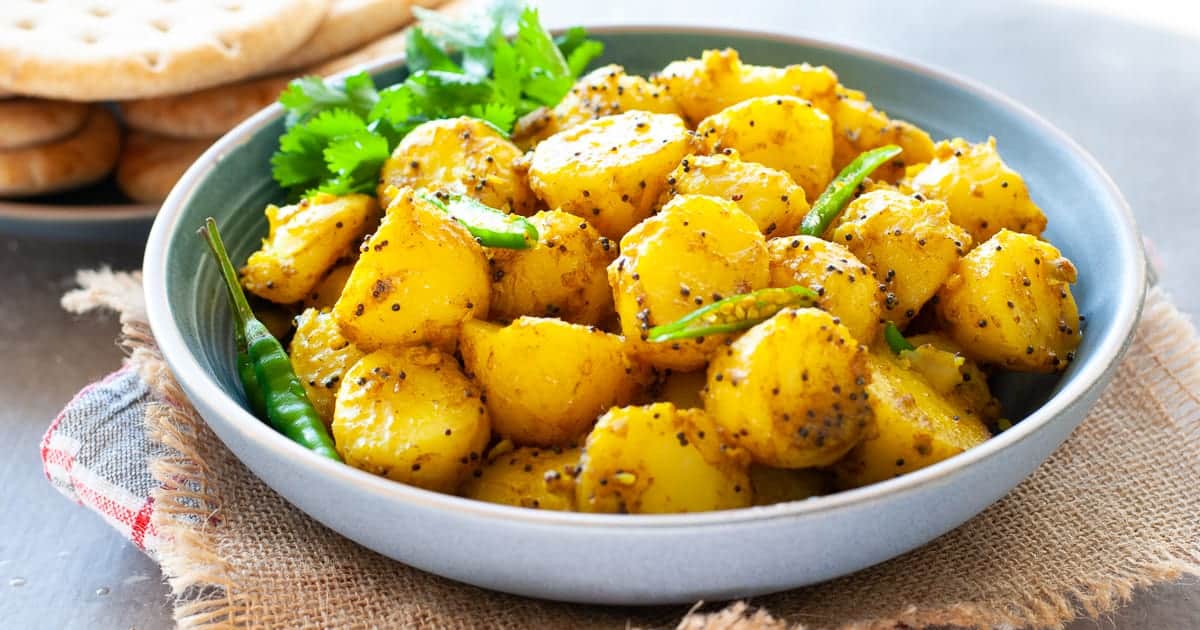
(645, 559)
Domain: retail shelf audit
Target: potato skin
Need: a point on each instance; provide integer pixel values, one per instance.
(612, 170)
(541, 479)
(769, 196)
(410, 415)
(326, 293)
(562, 275)
(847, 288)
(859, 127)
(791, 390)
(658, 459)
(697, 250)
(782, 132)
(1009, 303)
(458, 155)
(983, 193)
(911, 246)
(783, 485)
(304, 241)
(321, 357)
(546, 380)
(418, 278)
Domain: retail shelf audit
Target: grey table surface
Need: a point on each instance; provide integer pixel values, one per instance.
(1128, 93)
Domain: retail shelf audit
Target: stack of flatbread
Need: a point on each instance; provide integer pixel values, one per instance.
(143, 87)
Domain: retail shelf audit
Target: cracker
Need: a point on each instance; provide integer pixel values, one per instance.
(87, 50)
(150, 164)
(79, 159)
(390, 45)
(350, 24)
(28, 121)
(205, 114)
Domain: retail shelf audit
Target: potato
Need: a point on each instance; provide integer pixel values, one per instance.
(783, 485)
(859, 127)
(983, 193)
(528, 477)
(790, 390)
(326, 293)
(562, 275)
(410, 415)
(303, 241)
(782, 132)
(612, 170)
(321, 357)
(705, 86)
(681, 389)
(846, 287)
(418, 278)
(659, 459)
(942, 363)
(911, 246)
(914, 426)
(546, 380)
(458, 155)
(1010, 303)
(769, 196)
(697, 250)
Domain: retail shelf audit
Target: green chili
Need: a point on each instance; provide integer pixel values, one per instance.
(831, 202)
(282, 395)
(491, 227)
(895, 339)
(734, 313)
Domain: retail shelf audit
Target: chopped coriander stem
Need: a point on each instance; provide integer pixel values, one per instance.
(831, 202)
(895, 339)
(491, 227)
(734, 313)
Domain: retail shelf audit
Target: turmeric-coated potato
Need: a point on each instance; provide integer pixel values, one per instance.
(418, 278)
(303, 241)
(659, 459)
(846, 287)
(612, 170)
(681, 389)
(546, 380)
(718, 79)
(914, 426)
(410, 415)
(458, 155)
(327, 291)
(562, 275)
(697, 250)
(782, 132)
(783, 485)
(910, 244)
(983, 193)
(768, 195)
(321, 357)
(538, 478)
(791, 390)
(1010, 303)
(859, 127)
(948, 370)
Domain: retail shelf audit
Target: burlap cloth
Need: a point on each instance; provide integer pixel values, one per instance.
(1116, 508)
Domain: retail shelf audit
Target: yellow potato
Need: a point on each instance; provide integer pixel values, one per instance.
(944, 365)
(769, 196)
(326, 293)
(697, 250)
(859, 127)
(783, 485)
(846, 287)
(562, 275)
(659, 459)
(914, 427)
(321, 357)
(546, 380)
(303, 241)
(542, 479)
(612, 170)
(983, 193)
(681, 389)
(418, 278)
(791, 390)
(1010, 303)
(410, 415)
(458, 155)
(911, 246)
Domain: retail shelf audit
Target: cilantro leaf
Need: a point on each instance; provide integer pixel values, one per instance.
(308, 96)
(422, 54)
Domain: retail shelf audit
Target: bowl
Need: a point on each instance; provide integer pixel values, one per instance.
(659, 559)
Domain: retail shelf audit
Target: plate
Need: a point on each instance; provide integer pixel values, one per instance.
(95, 212)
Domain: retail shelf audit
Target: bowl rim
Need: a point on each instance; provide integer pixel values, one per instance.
(188, 370)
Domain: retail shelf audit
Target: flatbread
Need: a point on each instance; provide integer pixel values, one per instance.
(205, 114)
(77, 160)
(28, 121)
(350, 24)
(87, 50)
(151, 164)
(391, 45)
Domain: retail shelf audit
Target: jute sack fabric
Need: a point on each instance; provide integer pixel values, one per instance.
(1116, 508)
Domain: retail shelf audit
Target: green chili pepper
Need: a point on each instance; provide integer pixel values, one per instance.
(895, 339)
(831, 202)
(491, 227)
(278, 388)
(734, 313)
